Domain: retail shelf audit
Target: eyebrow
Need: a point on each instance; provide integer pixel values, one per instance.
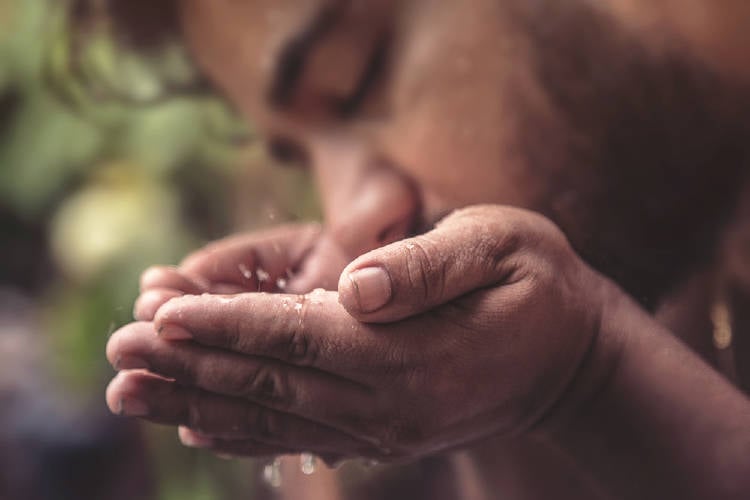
(294, 54)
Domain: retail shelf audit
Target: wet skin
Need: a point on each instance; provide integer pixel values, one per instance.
(496, 321)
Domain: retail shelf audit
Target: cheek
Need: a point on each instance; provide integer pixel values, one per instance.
(462, 151)
(453, 109)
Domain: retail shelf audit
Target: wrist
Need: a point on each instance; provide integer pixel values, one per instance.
(599, 365)
(647, 417)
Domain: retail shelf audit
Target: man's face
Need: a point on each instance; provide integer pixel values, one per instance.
(409, 109)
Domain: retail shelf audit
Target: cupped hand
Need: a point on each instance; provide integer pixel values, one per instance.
(294, 258)
(474, 329)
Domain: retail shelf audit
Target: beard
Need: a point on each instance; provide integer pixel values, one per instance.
(655, 146)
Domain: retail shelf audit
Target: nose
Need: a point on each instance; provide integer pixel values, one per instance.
(367, 202)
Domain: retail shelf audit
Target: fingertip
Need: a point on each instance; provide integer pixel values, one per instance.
(122, 341)
(192, 439)
(112, 350)
(171, 277)
(168, 311)
(168, 319)
(115, 392)
(151, 275)
(150, 301)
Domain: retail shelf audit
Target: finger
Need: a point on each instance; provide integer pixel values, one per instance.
(311, 330)
(231, 447)
(321, 269)
(312, 394)
(142, 394)
(257, 261)
(151, 300)
(167, 277)
(470, 249)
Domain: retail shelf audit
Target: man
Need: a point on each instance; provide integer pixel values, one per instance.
(595, 151)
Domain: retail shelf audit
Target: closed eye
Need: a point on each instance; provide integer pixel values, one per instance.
(371, 77)
(287, 151)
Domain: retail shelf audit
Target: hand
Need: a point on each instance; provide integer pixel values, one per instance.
(476, 328)
(294, 258)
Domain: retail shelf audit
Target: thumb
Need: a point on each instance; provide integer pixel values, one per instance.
(467, 250)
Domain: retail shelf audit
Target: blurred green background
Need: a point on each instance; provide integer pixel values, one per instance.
(105, 169)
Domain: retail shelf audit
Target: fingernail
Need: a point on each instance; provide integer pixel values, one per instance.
(193, 440)
(174, 332)
(130, 363)
(133, 407)
(372, 287)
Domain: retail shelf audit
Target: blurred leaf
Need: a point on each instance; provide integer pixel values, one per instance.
(162, 137)
(128, 163)
(79, 322)
(45, 146)
(119, 216)
(22, 25)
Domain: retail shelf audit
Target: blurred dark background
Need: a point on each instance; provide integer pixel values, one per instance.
(110, 161)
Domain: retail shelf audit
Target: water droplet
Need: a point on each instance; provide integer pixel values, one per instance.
(298, 306)
(272, 473)
(410, 246)
(247, 273)
(281, 284)
(307, 463)
(262, 274)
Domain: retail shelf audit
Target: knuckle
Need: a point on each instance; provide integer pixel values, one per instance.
(192, 372)
(297, 345)
(300, 347)
(263, 383)
(233, 331)
(398, 363)
(425, 270)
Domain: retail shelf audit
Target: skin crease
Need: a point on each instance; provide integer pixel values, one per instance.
(463, 115)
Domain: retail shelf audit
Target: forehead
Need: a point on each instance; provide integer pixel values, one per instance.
(238, 43)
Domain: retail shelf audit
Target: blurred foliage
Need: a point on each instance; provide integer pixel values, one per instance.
(111, 161)
(102, 174)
